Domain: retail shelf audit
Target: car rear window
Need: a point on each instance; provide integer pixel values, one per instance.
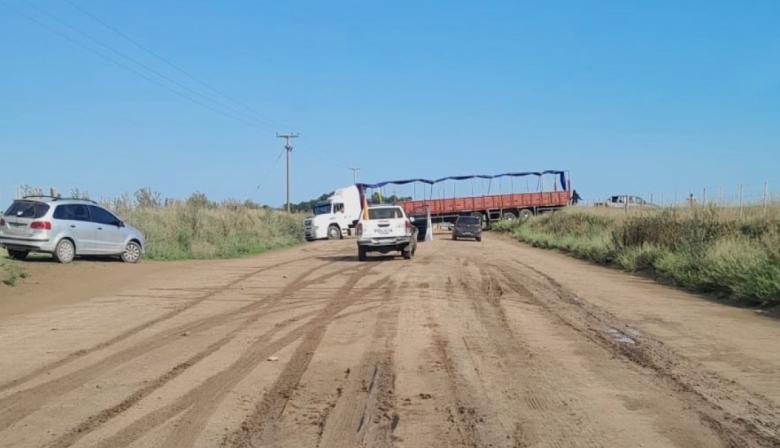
(385, 213)
(468, 220)
(27, 209)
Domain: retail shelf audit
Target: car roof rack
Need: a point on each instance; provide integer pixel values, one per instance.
(57, 198)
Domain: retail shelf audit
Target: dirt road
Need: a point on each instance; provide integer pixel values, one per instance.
(469, 344)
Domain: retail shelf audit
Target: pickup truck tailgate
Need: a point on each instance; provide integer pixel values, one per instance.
(384, 227)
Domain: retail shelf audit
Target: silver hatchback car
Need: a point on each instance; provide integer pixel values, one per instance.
(67, 228)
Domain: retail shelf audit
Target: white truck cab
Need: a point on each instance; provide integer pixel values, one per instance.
(334, 217)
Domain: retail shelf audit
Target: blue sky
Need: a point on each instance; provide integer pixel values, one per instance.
(646, 97)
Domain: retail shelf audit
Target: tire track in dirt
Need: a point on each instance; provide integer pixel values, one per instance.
(197, 405)
(741, 418)
(138, 328)
(364, 412)
(270, 409)
(461, 415)
(18, 405)
(540, 411)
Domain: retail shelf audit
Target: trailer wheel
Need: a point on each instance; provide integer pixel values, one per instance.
(334, 233)
(525, 214)
(509, 216)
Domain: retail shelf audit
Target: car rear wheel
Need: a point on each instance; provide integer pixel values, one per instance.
(132, 253)
(17, 254)
(334, 233)
(65, 251)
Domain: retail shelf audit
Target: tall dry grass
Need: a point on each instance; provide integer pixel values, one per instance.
(731, 253)
(200, 228)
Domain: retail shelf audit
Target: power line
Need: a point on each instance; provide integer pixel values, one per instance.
(254, 113)
(124, 65)
(230, 110)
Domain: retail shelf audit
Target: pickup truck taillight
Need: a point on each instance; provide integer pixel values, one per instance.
(408, 227)
(359, 229)
(40, 225)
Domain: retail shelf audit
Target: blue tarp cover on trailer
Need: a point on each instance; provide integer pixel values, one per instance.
(473, 176)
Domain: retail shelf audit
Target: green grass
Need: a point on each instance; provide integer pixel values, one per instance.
(199, 229)
(721, 251)
(10, 271)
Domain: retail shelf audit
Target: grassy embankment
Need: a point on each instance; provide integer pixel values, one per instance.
(198, 228)
(10, 271)
(702, 249)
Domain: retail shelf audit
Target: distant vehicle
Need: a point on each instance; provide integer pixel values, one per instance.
(67, 228)
(624, 200)
(467, 227)
(335, 217)
(384, 229)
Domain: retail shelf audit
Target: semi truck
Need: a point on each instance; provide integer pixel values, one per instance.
(338, 215)
(335, 217)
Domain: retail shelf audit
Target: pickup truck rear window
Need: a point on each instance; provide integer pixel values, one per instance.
(27, 209)
(384, 213)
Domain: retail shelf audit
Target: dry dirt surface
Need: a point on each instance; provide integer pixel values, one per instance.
(490, 344)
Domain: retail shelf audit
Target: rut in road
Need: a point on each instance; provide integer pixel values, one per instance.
(540, 410)
(740, 417)
(138, 328)
(198, 404)
(270, 409)
(363, 413)
(19, 404)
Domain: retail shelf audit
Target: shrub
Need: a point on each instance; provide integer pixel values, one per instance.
(736, 256)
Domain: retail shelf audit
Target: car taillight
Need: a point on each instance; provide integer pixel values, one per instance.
(359, 228)
(409, 227)
(40, 225)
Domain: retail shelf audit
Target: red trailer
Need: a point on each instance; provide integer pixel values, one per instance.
(492, 206)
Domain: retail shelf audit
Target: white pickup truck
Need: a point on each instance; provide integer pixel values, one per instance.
(383, 229)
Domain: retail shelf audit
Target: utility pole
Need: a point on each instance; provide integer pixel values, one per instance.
(355, 172)
(288, 147)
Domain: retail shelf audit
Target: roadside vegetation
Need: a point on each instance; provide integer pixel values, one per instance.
(733, 255)
(10, 271)
(194, 228)
(200, 228)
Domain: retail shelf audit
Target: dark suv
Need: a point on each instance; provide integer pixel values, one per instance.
(467, 227)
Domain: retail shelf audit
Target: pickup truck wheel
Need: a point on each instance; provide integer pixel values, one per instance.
(334, 233)
(17, 254)
(454, 237)
(361, 253)
(479, 238)
(407, 254)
